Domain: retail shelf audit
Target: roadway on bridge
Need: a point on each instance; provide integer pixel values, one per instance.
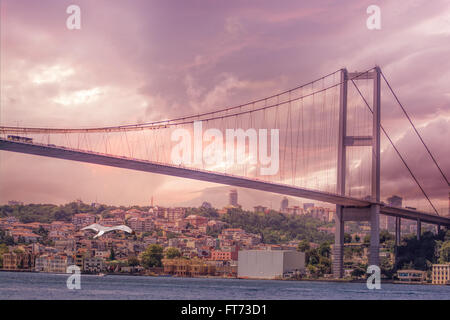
(203, 175)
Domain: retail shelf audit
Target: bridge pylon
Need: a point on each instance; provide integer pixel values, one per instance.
(372, 212)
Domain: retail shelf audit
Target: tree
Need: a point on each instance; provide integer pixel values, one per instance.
(358, 272)
(418, 254)
(152, 256)
(324, 249)
(112, 255)
(386, 267)
(3, 249)
(314, 257)
(347, 238)
(444, 252)
(172, 253)
(133, 261)
(303, 246)
(357, 238)
(385, 236)
(447, 236)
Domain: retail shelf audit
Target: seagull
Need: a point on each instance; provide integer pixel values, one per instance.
(101, 229)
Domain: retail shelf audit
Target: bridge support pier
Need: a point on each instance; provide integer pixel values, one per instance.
(398, 235)
(338, 249)
(419, 229)
(344, 142)
(398, 231)
(374, 256)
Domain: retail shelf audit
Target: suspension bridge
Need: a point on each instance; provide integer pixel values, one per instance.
(329, 150)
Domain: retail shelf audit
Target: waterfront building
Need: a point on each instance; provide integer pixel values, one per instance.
(226, 254)
(188, 268)
(440, 274)
(17, 261)
(269, 264)
(53, 263)
(411, 276)
(93, 265)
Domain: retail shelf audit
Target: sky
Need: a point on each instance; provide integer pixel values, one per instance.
(139, 61)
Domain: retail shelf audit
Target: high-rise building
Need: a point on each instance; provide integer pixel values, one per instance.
(388, 222)
(233, 198)
(448, 214)
(284, 205)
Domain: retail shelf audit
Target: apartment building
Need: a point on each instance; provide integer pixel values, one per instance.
(93, 265)
(81, 220)
(17, 261)
(53, 263)
(440, 274)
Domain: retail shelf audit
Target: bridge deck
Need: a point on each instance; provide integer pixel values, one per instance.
(203, 175)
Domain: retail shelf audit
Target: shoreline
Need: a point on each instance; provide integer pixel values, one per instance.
(325, 280)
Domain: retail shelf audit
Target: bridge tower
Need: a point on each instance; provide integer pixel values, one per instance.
(344, 142)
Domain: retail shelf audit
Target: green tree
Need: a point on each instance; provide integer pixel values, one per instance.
(386, 267)
(385, 236)
(357, 238)
(133, 261)
(324, 249)
(358, 272)
(152, 256)
(418, 254)
(112, 254)
(3, 249)
(447, 236)
(172, 253)
(347, 238)
(303, 246)
(444, 252)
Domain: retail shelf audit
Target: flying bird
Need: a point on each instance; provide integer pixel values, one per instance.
(102, 230)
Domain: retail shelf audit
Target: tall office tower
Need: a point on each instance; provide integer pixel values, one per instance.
(448, 214)
(233, 198)
(394, 201)
(284, 205)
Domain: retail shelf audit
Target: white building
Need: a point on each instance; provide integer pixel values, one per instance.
(269, 264)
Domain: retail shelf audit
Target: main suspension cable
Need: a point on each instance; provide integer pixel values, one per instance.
(414, 127)
(397, 151)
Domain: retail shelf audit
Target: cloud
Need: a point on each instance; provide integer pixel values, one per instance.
(149, 60)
